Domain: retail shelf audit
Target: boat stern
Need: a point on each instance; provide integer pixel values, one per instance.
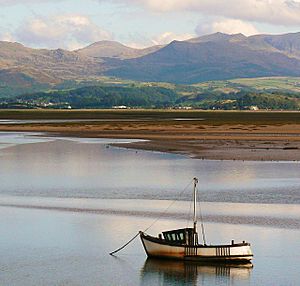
(155, 247)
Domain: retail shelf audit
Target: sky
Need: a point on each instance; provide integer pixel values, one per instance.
(73, 24)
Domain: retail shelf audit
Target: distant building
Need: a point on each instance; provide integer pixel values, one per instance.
(120, 107)
(184, 107)
(254, 107)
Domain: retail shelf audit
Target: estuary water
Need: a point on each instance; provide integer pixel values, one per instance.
(65, 203)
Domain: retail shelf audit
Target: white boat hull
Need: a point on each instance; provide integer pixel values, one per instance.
(234, 253)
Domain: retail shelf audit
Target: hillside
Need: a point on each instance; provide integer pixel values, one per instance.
(14, 83)
(269, 84)
(97, 97)
(288, 44)
(48, 66)
(236, 94)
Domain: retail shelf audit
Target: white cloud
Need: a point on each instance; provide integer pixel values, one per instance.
(168, 37)
(136, 45)
(15, 2)
(227, 26)
(277, 12)
(64, 31)
(7, 37)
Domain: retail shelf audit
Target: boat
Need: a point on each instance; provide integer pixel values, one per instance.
(183, 244)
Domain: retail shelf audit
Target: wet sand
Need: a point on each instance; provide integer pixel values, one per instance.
(240, 138)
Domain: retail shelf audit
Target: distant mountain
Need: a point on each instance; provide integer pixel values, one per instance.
(212, 57)
(46, 65)
(111, 49)
(288, 44)
(215, 57)
(30, 69)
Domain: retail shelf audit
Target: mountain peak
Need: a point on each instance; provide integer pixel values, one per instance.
(16, 45)
(218, 37)
(113, 49)
(105, 43)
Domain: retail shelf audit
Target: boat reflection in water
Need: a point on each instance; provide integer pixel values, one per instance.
(175, 272)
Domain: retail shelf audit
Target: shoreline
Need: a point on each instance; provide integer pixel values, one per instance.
(233, 142)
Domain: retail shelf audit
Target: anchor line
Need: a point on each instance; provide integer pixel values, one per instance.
(122, 247)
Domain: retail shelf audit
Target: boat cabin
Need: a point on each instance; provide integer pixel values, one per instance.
(186, 236)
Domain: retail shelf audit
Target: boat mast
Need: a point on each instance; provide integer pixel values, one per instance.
(195, 216)
(195, 204)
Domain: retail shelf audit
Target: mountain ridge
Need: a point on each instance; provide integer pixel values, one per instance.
(216, 56)
(196, 61)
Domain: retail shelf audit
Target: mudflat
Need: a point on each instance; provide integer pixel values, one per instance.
(216, 135)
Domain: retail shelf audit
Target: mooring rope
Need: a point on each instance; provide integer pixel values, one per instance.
(119, 249)
(154, 222)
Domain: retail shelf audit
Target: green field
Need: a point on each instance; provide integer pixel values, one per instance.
(291, 84)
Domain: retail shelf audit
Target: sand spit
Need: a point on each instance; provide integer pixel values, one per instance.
(215, 136)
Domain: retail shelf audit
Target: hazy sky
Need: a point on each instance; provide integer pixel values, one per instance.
(71, 24)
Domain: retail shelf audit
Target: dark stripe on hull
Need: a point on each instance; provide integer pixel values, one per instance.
(207, 259)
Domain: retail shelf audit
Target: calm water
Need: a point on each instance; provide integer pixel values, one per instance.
(22, 121)
(89, 168)
(66, 203)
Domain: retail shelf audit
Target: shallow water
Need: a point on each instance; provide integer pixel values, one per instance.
(66, 203)
(90, 168)
(24, 121)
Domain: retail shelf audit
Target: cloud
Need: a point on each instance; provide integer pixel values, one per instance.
(7, 37)
(227, 26)
(168, 37)
(64, 31)
(16, 2)
(277, 12)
